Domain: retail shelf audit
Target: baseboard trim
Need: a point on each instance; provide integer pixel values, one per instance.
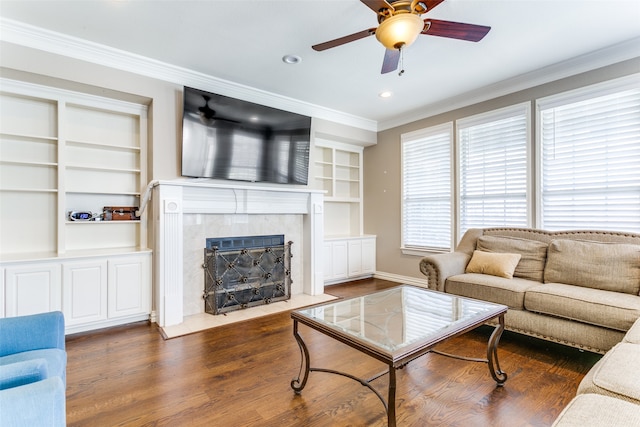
(400, 279)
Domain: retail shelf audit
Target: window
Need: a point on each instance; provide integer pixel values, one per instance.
(582, 173)
(493, 168)
(426, 188)
(590, 158)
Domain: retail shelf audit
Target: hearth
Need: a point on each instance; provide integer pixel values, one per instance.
(243, 272)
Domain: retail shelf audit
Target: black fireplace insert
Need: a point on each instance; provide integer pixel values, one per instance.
(243, 272)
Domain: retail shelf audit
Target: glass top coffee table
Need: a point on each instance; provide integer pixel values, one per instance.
(397, 326)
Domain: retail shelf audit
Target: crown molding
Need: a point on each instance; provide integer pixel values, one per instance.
(613, 54)
(53, 42)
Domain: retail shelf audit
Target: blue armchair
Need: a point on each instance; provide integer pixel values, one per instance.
(33, 363)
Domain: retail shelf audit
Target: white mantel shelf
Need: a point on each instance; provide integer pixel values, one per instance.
(173, 199)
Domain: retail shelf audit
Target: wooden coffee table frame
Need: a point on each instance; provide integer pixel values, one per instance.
(399, 359)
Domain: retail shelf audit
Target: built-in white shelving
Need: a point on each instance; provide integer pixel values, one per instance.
(349, 254)
(63, 151)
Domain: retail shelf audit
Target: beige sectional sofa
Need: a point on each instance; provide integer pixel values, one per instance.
(579, 288)
(609, 395)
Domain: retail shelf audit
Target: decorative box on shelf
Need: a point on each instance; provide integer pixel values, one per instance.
(120, 213)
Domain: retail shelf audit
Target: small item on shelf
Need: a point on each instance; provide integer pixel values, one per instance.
(120, 213)
(81, 216)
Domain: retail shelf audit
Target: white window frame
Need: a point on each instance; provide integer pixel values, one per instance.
(413, 136)
(484, 118)
(566, 98)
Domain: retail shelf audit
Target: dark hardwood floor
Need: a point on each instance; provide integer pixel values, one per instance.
(239, 375)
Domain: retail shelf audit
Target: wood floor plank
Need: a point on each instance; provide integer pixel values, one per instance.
(239, 375)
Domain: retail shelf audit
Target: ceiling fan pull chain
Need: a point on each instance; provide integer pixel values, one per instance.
(401, 72)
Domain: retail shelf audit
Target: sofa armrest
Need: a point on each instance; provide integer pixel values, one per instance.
(438, 267)
(33, 332)
(21, 373)
(41, 403)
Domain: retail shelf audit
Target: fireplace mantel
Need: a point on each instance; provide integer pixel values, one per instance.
(173, 199)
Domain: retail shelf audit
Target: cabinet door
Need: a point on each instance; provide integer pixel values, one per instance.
(368, 256)
(355, 258)
(129, 286)
(31, 289)
(84, 291)
(338, 260)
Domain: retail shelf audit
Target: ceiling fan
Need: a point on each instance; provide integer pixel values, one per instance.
(400, 24)
(207, 115)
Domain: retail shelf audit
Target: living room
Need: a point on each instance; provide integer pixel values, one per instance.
(376, 215)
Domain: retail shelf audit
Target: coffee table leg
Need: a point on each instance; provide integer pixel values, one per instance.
(391, 400)
(492, 353)
(296, 384)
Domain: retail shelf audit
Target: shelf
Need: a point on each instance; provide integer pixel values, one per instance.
(30, 190)
(102, 169)
(28, 136)
(27, 163)
(106, 193)
(133, 221)
(342, 199)
(102, 145)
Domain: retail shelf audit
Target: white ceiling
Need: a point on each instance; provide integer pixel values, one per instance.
(243, 41)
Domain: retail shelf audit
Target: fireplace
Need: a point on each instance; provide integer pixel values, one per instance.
(187, 211)
(243, 272)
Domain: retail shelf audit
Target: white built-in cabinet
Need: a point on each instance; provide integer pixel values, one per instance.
(348, 253)
(63, 151)
(349, 258)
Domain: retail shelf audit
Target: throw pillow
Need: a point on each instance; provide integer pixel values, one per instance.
(495, 264)
(533, 254)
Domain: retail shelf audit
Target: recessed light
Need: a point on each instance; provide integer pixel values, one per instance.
(385, 94)
(291, 59)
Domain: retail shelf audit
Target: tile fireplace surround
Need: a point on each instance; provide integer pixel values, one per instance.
(187, 212)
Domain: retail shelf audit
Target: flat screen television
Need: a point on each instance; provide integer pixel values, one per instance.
(230, 139)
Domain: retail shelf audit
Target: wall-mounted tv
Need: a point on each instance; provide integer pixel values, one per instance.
(230, 139)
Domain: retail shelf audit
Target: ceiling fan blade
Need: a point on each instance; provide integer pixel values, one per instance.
(343, 40)
(376, 5)
(390, 62)
(455, 30)
(432, 3)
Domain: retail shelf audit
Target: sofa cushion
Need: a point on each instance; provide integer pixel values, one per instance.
(495, 264)
(533, 254)
(509, 292)
(609, 266)
(617, 374)
(602, 308)
(595, 410)
(56, 360)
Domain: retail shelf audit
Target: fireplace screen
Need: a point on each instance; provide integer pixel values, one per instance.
(242, 272)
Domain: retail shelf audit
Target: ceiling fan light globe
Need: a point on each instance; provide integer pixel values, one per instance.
(399, 30)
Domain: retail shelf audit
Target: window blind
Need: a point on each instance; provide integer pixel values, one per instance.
(426, 188)
(590, 142)
(493, 169)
